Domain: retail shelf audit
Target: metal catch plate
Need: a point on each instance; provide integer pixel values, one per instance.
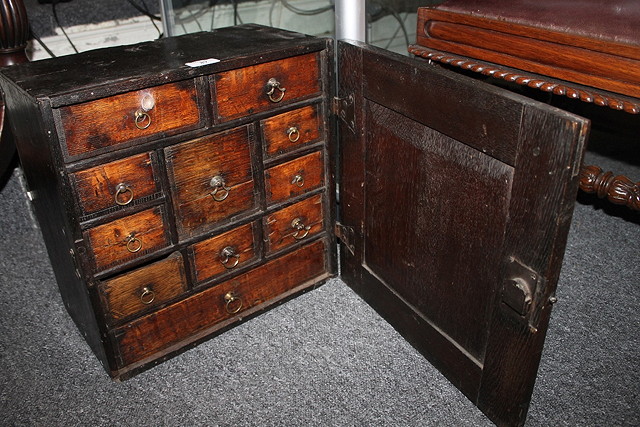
(344, 108)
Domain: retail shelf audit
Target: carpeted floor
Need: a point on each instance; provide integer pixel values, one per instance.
(324, 358)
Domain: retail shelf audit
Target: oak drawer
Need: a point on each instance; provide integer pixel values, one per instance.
(295, 223)
(294, 178)
(149, 113)
(143, 288)
(127, 238)
(211, 180)
(291, 130)
(115, 184)
(197, 316)
(260, 87)
(225, 252)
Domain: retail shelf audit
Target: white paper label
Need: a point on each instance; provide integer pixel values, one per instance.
(202, 62)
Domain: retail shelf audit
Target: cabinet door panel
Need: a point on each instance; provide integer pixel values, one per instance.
(459, 196)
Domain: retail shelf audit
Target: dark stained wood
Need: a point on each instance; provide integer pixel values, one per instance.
(191, 167)
(112, 121)
(294, 177)
(554, 39)
(404, 205)
(151, 333)
(434, 239)
(617, 189)
(275, 129)
(279, 228)
(492, 132)
(98, 187)
(14, 35)
(144, 288)
(110, 243)
(209, 259)
(244, 91)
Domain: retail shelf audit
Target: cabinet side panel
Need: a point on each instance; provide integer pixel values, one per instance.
(32, 124)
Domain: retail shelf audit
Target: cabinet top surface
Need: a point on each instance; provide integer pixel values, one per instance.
(159, 61)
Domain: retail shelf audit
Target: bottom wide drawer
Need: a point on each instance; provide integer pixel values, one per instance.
(197, 316)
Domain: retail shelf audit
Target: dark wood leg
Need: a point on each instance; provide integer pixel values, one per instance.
(616, 189)
(14, 34)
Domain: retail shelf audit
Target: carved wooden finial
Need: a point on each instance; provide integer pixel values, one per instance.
(14, 32)
(617, 189)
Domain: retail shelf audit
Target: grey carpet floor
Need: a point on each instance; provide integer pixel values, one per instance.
(324, 358)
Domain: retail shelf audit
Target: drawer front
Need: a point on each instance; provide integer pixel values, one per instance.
(143, 288)
(292, 130)
(295, 223)
(294, 178)
(105, 123)
(211, 180)
(260, 87)
(197, 316)
(127, 238)
(223, 253)
(116, 184)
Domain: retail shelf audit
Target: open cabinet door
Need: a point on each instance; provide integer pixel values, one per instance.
(455, 203)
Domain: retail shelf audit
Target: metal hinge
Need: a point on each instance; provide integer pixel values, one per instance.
(523, 294)
(346, 234)
(344, 109)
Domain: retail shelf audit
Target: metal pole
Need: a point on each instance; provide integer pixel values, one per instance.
(351, 20)
(168, 20)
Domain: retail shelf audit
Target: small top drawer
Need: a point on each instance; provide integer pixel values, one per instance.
(143, 288)
(115, 184)
(291, 130)
(98, 126)
(257, 88)
(211, 179)
(127, 238)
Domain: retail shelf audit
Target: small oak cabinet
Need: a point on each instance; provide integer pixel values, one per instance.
(186, 184)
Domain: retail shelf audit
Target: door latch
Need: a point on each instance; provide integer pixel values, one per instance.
(522, 293)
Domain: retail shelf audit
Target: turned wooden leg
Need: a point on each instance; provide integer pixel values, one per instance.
(14, 34)
(617, 189)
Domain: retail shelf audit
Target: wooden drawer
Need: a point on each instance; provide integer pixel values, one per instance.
(143, 288)
(292, 130)
(149, 113)
(127, 238)
(198, 316)
(297, 222)
(211, 179)
(294, 178)
(116, 184)
(246, 90)
(225, 252)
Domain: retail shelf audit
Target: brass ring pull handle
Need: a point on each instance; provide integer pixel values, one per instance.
(220, 190)
(293, 133)
(298, 180)
(273, 84)
(230, 299)
(299, 226)
(225, 256)
(147, 295)
(133, 243)
(142, 119)
(121, 190)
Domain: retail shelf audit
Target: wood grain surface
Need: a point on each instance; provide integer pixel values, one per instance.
(111, 121)
(275, 130)
(281, 182)
(244, 91)
(279, 231)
